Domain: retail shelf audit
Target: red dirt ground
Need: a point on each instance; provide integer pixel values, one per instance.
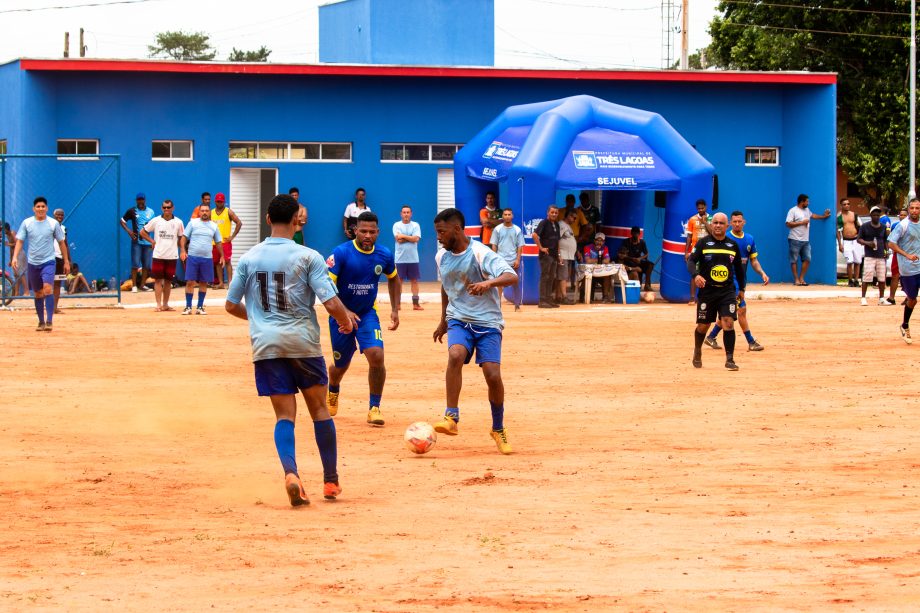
(137, 469)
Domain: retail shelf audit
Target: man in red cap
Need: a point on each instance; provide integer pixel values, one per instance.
(222, 216)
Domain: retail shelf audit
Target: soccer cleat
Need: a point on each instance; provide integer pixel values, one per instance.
(417, 307)
(883, 302)
(200, 311)
(890, 300)
(134, 290)
(40, 327)
(332, 403)
(447, 425)
(375, 417)
(755, 346)
(331, 490)
(187, 311)
(712, 342)
(905, 334)
(730, 364)
(697, 358)
(47, 327)
(501, 440)
(863, 301)
(295, 490)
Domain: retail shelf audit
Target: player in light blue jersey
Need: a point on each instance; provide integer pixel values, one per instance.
(42, 232)
(471, 317)
(195, 250)
(355, 268)
(748, 250)
(904, 241)
(280, 280)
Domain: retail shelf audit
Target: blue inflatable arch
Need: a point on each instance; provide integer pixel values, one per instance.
(584, 142)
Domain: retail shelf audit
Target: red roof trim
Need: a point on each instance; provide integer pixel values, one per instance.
(702, 76)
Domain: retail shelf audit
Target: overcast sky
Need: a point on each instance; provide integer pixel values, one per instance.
(528, 33)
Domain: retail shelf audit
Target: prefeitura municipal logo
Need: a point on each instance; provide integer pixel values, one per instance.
(584, 160)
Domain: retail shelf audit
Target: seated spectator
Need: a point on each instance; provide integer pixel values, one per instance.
(76, 281)
(636, 257)
(622, 256)
(597, 253)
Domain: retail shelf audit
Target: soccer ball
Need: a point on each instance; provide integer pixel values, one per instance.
(420, 437)
(648, 296)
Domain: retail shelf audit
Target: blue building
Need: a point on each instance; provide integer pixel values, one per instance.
(252, 130)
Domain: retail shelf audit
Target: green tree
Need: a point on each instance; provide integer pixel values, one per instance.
(180, 45)
(866, 42)
(259, 55)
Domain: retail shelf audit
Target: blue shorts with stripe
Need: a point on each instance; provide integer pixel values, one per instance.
(365, 336)
(487, 342)
(282, 376)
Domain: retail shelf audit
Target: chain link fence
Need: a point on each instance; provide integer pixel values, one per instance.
(87, 188)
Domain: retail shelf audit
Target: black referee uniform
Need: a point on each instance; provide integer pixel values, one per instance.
(719, 263)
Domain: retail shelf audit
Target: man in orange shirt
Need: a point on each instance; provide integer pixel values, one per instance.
(489, 217)
(697, 228)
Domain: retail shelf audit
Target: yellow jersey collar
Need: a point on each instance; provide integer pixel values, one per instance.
(355, 243)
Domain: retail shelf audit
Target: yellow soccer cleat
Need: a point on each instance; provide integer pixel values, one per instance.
(501, 440)
(447, 425)
(332, 403)
(374, 417)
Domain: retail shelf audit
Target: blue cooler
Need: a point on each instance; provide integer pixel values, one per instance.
(632, 292)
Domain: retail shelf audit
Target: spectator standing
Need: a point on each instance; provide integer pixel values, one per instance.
(407, 234)
(41, 230)
(905, 242)
(872, 237)
(141, 251)
(353, 210)
(797, 220)
(508, 242)
(59, 276)
(847, 232)
(301, 219)
(697, 228)
(546, 237)
(489, 217)
(196, 252)
(592, 216)
(222, 215)
(895, 271)
(567, 248)
(164, 232)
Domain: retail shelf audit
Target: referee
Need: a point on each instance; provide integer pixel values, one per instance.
(718, 266)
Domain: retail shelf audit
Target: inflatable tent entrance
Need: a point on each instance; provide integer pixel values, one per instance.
(584, 142)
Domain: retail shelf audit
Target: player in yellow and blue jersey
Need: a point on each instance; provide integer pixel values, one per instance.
(355, 268)
(280, 281)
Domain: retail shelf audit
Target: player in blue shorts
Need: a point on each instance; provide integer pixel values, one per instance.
(471, 316)
(42, 232)
(355, 268)
(280, 280)
(748, 253)
(904, 241)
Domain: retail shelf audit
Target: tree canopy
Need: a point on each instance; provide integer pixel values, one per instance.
(867, 42)
(185, 46)
(259, 55)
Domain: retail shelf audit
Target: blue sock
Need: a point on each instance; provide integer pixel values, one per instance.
(453, 412)
(749, 336)
(40, 309)
(334, 388)
(375, 400)
(49, 307)
(201, 296)
(284, 443)
(325, 441)
(188, 300)
(498, 416)
(715, 331)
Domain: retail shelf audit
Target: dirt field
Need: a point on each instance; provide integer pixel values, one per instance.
(137, 469)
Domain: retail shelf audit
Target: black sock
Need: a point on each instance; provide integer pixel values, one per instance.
(908, 311)
(728, 337)
(698, 339)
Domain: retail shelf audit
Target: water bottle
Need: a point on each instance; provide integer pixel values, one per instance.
(93, 285)
(112, 287)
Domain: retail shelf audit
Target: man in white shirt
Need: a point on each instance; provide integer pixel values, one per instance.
(797, 220)
(350, 219)
(164, 232)
(407, 234)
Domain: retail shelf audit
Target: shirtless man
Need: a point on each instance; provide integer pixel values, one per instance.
(847, 232)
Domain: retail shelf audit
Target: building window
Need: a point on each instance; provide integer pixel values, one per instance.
(179, 150)
(290, 152)
(418, 152)
(761, 156)
(75, 146)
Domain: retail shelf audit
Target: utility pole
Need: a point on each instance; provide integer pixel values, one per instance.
(912, 190)
(685, 34)
(66, 44)
(82, 46)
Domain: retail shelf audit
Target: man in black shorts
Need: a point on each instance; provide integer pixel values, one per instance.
(718, 265)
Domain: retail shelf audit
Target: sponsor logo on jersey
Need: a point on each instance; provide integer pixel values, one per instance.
(330, 261)
(719, 273)
(378, 269)
(702, 306)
